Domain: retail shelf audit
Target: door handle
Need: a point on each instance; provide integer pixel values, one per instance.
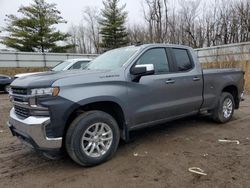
(170, 81)
(196, 78)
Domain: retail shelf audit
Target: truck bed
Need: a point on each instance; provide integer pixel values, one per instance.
(215, 80)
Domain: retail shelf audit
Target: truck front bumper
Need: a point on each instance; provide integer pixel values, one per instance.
(32, 131)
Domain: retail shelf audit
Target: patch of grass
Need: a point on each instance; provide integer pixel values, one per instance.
(14, 71)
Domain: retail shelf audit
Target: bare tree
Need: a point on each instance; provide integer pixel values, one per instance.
(189, 14)
(193, 22)
(149, 17)
(73, 38)
(90, 15)
(85, 36)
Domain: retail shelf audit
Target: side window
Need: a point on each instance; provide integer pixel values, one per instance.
(79, 65)
(157, 57)
(182, 59)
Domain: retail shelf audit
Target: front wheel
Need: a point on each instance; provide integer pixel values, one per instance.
(225, 108)
(92, 138)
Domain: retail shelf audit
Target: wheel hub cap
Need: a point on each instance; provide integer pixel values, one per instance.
(97, 139)
(227, 107)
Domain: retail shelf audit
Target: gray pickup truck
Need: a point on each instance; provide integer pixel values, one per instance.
(87, 112)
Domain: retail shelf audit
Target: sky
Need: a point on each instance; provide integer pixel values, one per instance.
(71, 10)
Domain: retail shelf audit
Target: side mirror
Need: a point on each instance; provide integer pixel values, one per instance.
(142, 70)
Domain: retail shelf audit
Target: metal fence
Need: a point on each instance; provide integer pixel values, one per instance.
(231, 52)
(224, 53)
(32, 59)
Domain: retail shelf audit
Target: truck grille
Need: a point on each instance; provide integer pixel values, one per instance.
(20, 95)
(19, 91)
(23, 112)
(25, 104)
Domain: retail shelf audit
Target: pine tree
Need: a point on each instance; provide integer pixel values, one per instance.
(113, 30)
(34, 30)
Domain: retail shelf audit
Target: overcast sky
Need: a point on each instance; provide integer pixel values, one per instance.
(71, 10)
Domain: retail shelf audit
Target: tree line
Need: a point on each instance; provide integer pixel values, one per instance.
(189, 22)
(194, 23)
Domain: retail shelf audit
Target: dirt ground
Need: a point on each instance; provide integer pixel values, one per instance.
(156, 157)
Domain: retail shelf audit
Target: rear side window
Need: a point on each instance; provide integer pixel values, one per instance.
(79, 65)
(182, 59)
(157, 57)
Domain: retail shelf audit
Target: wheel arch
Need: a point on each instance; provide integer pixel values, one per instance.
(233, 90)
(112, 107)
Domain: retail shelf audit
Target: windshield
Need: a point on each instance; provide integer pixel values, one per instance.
(61, 66)
(112, 59)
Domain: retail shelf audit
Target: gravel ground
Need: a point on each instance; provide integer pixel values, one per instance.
(156, 157)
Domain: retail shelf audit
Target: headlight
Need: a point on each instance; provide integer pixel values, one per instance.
(54, 91)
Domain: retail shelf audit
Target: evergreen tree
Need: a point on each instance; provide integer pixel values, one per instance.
(113, 30)
(34, 31)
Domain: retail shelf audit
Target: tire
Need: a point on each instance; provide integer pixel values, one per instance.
(7, 88)
(78, 137)
(224, 113)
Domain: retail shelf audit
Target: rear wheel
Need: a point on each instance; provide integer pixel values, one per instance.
(92, 138)
(225, 108)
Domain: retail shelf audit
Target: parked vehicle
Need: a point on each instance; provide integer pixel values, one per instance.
(5, 82)
(69, 64)
(87, 112)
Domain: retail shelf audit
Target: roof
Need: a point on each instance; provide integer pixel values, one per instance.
(163, 45)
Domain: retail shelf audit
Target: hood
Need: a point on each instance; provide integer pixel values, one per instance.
(46, 79)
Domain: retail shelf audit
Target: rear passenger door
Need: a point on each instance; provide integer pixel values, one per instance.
(188, 83)
(174, 90)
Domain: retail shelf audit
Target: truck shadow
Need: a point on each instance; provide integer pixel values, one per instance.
(172, 127)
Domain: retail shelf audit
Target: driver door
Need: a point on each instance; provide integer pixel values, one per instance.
(152, 96)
